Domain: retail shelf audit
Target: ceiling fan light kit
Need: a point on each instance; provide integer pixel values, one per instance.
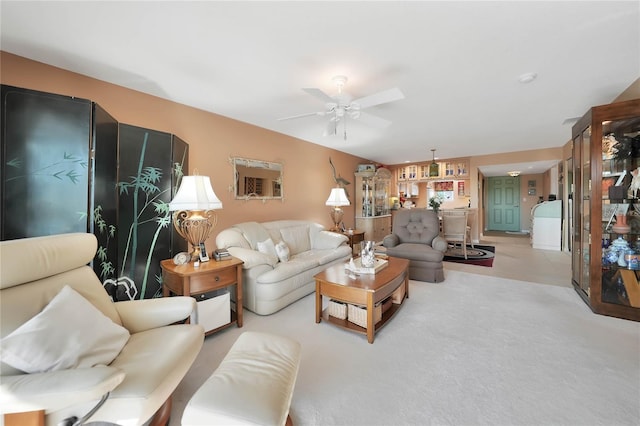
(340, 107)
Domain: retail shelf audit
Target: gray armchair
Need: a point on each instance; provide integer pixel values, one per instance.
(416, 237)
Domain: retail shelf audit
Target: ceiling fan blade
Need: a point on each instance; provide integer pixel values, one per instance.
(308, 114)
(317, 93)
(379, 98)
(372, 120)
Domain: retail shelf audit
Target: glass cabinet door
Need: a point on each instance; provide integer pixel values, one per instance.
(367, 197)
(620, 213)
(577, 260)
(585, 237)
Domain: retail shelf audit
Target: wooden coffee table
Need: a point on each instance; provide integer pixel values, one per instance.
(364, 289)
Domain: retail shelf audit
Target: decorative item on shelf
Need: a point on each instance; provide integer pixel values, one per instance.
(434, 168)
(609, 211)
(337, 199)
(623, 146)
(632, 259)
(616, 251)
(621, 258)
(617, 191)
(635, 183)
(194, 206)
(621, 226)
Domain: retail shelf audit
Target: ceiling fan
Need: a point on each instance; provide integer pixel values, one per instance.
(342, 106)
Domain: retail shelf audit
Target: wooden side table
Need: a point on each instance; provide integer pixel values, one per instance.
(355, 237)
(186, 280)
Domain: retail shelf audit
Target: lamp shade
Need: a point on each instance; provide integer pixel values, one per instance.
(337, 198)
(195, 193)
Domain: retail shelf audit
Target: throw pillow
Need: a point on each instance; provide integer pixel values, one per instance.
(283, 251)
(297, 238)
(267, 247)
(68, 333)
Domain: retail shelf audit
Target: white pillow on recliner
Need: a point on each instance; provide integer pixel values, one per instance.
(69, 333)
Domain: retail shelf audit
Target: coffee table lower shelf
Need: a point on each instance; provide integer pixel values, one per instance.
(348, 325)
(365, 290)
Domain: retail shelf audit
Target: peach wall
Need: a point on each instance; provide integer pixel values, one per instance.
(632, 92)
(212, 140)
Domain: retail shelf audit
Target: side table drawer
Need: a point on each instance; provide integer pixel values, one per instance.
(214, 279)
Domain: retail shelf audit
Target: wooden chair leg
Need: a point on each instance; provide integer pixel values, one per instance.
(161, 417)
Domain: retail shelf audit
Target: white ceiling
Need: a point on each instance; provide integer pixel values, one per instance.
(457, 64)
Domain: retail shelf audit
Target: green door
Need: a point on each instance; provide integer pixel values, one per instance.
(504, 203)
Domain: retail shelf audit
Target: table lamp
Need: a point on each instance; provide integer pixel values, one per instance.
(337, 199)
(194, 206)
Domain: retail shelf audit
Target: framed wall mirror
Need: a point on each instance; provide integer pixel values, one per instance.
(257, 179)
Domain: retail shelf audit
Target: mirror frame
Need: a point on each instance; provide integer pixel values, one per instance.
(261, 165)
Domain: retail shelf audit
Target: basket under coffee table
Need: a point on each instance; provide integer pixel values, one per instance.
(367, 290)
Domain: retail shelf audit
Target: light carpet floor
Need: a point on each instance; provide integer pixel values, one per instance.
(474, 350)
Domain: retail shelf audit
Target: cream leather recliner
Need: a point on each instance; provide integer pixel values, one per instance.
(145, 372)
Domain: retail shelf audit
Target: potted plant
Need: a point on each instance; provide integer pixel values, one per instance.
(435, 202)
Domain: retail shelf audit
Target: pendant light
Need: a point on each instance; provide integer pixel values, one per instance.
(434, 168)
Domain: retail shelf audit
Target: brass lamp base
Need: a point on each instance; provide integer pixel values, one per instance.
(336, 216)
(195, 226)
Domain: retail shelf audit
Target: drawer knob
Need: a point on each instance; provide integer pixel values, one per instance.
(217, 278)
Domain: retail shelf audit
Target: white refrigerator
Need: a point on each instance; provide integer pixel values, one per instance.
(546, 230)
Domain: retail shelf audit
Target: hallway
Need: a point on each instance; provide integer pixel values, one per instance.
(516, 259)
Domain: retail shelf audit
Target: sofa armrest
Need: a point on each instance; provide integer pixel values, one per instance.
(141, 315)
(252, 258)
(56, 390)
(329, 240)
(439, 244)
(390, 240)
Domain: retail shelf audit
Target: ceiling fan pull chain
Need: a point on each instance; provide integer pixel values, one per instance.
(345, 127)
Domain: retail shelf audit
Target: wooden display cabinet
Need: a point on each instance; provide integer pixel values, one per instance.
(372, 204)
(606, 150)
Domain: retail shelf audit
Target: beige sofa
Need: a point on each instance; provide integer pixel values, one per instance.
(269, 284)
(46, 281)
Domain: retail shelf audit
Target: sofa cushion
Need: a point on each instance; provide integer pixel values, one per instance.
(283, 271)
(283, 252)
(326, 239)
(297, 238)
(69, 333)
(253, 232)
(327, 256)
(252, 258)
(416, 251)
(267, 247)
